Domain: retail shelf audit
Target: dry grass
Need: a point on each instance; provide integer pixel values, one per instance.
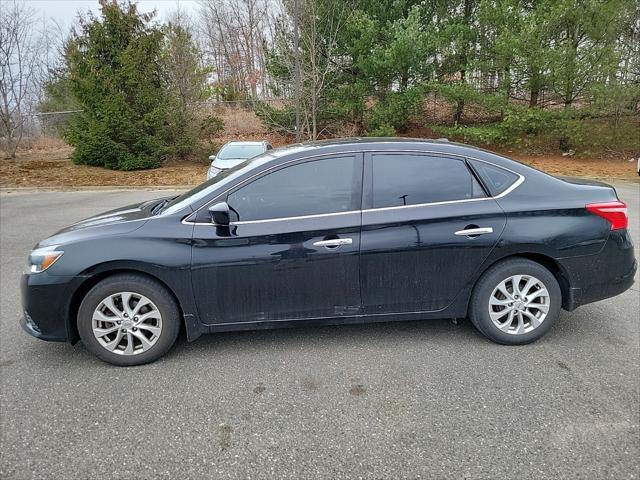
(36, 144)
(239, 121)
(45, 162)
(613, 168)
(42, 143)
(64, 174)
(54, 169)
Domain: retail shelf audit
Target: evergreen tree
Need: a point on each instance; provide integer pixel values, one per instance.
(114, 73)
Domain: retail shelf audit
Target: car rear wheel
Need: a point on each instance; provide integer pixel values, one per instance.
(515, 302)
(128, 320)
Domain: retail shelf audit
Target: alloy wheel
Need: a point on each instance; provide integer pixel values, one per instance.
(519, 304)
(126, 323)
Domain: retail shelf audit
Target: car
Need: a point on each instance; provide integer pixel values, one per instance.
(234, 153)
(334, 232)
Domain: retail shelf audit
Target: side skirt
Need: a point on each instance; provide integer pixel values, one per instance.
(346, 320)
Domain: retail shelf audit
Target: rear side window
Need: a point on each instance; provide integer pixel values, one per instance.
(329, 185)
(497, 179)
(401, 179)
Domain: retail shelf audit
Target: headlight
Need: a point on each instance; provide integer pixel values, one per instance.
(213, 171)
(42, 258)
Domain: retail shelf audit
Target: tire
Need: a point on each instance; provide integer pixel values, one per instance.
(486, 295)
(156, 314)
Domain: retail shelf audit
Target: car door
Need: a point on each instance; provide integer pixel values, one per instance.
(291, 249)
(427, 226)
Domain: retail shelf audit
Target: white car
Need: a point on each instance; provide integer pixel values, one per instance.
(234, 153)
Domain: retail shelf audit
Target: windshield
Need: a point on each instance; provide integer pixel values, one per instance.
(233, 151)
(203, 189)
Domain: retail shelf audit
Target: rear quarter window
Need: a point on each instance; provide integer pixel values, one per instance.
(496, 179)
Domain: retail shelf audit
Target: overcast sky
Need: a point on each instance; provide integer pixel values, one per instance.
(63, 12)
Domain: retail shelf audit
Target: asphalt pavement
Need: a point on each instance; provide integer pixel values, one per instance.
(425, 399)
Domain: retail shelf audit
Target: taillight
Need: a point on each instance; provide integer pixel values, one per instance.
(614, 212)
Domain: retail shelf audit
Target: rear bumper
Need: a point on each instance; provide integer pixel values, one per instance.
(604, 275)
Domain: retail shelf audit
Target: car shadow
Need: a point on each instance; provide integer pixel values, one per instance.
(353, 335)
(49, 355)
(431, 332)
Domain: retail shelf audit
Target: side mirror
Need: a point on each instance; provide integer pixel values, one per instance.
(219, 213)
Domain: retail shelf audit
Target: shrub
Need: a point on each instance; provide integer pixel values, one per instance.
(517, 122)
(464, 95)
(382, 131)
(210, 126)
(281, 120)
(490, 134)
(395, 111)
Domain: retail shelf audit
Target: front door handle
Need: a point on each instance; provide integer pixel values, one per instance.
(333, 243)
(472, 232)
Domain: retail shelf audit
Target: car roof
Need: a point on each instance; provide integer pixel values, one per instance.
(374, 140)
(441, 146)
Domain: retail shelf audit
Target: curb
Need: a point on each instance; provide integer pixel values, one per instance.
(95, 188)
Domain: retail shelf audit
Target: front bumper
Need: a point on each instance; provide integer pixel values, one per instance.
(29, 326)
(45, 304)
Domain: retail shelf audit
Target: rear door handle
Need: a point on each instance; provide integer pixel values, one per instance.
(469, 232)
(333, 243)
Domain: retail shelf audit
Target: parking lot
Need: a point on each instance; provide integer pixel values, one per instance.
(413, 399)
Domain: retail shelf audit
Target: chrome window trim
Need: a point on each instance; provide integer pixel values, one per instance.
(512, 187)
(299, 217)
(430, 204)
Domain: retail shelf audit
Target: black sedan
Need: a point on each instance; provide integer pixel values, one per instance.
(347, 231)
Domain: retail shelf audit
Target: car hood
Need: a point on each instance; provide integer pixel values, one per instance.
(114, 222)
(230, 163)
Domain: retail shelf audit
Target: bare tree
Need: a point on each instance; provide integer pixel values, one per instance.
(235, 34)
(306, 50)
(182, 63)
(297, 67)
(20, 48)
(306, 64)
(319, 31)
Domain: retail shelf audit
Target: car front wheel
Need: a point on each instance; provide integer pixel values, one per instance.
(128, 320)
(515, 302)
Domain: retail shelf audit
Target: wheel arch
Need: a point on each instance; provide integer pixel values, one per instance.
(102, 272)
(550, 263)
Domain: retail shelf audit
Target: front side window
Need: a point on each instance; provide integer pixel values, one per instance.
(413, 179)
(327, 185)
